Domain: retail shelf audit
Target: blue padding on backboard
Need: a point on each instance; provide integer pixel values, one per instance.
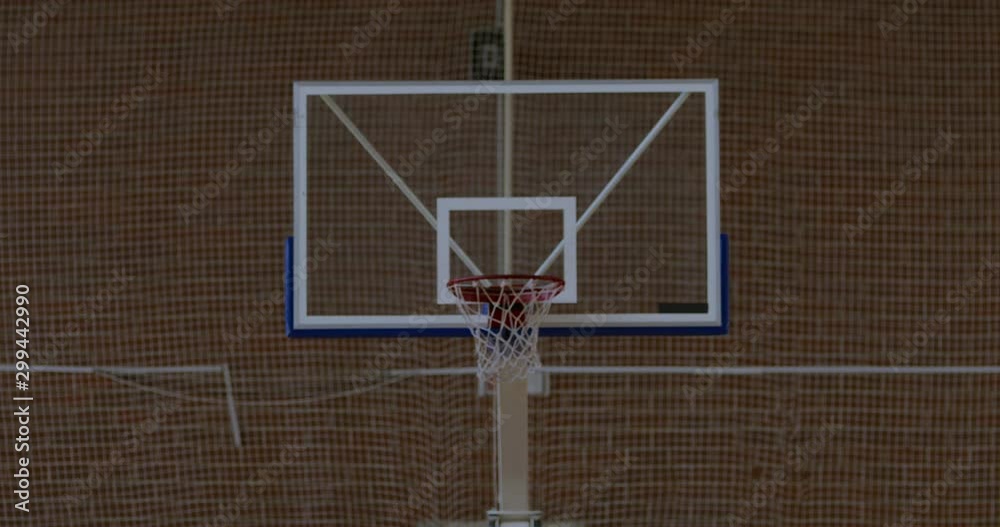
(289, 291)
(347, 332)
(464, 332)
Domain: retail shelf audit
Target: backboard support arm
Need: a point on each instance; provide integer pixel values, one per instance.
(396, 179)
(617, 178)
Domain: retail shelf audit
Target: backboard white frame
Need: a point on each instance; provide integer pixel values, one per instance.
(565, 204)
(301, 323)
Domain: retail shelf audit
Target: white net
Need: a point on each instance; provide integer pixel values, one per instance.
(153, 239)
(503, 313)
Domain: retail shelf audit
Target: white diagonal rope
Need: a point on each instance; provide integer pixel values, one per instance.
(617, 178)
(396, 179)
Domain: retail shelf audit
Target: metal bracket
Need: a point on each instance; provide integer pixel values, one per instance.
(498, 518)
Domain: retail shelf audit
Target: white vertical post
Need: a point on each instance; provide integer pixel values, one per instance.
(512, 445)
(511, 398)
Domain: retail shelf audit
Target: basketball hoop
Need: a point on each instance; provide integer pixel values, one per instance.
(503, 313)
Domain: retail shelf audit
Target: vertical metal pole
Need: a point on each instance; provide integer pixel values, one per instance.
(503, 240)
(508, 133)
(511, 397)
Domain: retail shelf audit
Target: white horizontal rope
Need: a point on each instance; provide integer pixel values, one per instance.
(653, 133)
(112, 371)
(777, 370)
(715, 370)
(390, 172)
(431, 372)
(118, 370)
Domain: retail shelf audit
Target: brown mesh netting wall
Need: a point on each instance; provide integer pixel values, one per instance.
(146, 207)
